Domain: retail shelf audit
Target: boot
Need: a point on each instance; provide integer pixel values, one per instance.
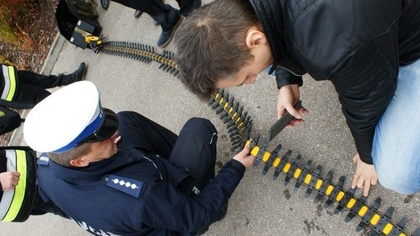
(73, 77)
(105, 4)
(166, 36)
(137, 13)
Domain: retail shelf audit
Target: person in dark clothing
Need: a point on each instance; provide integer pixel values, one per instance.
(159, 183)
(21, 89)
(165, 15)
(369, 50)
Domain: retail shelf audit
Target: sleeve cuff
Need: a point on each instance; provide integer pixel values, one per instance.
(236, 166)
(284, 77)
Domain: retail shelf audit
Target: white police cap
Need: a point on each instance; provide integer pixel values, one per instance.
(64, 118)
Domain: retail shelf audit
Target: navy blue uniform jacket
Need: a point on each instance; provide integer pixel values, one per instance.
(147, 201)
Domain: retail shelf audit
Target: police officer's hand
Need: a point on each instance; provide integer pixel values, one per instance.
(244, 156)
(288, 96)
(365, 175)
(9, 180)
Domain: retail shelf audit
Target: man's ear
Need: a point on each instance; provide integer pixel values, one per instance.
(79, 162)
(255, 38)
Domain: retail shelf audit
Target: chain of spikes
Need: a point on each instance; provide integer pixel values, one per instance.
(239, 126)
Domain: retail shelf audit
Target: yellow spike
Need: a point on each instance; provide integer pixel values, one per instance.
(375, 219)
(255, 150)
(307, 178)
(387, 229)
(318, 184)
(363, 210)
(297, 173)
(266, 156)
(286, 168)
(276, 162)
(340, 196)
(329, 190)
(351, 203)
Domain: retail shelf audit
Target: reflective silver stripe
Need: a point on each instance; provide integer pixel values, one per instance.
(7, 198)
(6, 77)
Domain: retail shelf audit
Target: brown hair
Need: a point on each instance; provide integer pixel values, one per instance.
(64, 158)
(210, 44)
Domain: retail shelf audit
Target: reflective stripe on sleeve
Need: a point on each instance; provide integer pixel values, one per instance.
(9, 89)
(19, 192)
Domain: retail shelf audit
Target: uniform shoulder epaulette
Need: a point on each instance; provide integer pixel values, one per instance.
(123, 184)
(43, 159)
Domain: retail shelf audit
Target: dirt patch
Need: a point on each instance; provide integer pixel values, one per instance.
(39, 25)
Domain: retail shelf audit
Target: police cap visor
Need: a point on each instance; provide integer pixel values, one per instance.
(108, 127)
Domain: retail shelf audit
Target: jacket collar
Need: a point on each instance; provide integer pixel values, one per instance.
(94, 171)
(270, 13)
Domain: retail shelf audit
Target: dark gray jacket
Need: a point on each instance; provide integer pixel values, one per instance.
(358, 45)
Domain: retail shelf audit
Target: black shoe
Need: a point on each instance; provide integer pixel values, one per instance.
(166, 36)
(185, 11)
(138, 13)
(77, 75)
(105, 4)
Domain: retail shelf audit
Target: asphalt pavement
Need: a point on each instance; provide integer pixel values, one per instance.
(259, 206)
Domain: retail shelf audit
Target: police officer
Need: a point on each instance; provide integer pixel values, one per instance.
(123, 174)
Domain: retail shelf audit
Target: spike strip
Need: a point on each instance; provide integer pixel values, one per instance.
(370, 216)
(141, 52)
(238, 123)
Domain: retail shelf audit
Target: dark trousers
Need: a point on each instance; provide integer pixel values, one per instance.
(162, 13)
(31, 89)
(194, 148)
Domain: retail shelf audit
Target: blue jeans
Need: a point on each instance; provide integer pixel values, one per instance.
(396, 144)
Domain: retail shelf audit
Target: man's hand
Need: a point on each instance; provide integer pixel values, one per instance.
(365, 175)
(288, 96)
(9, 180)
(244, 156)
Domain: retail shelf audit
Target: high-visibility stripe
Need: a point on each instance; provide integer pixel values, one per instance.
(6, 79)
(12, 89)
(7, 197)
(20, 188)
(9, 88)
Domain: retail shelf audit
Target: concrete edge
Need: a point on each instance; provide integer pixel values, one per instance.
(17, 137)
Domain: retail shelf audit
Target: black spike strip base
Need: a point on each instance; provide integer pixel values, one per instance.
(370, 216)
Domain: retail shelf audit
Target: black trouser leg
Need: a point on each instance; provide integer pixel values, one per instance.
(196, 149)
(149, 136)
(31, 89)
(187, 6)
(43, 81)
(163, 14)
